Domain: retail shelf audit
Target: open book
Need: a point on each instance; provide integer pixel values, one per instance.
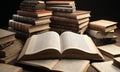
(69, 45)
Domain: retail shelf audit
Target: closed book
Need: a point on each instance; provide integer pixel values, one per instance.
(60, 2)
(110, 50)
(38, 13)
(68, 20)
(32, 5)
(61, 9)
(105, 66)
(78, 14)
(31, 20)
(116, 62)
(6, 36)
(103, 25)
(27, 28)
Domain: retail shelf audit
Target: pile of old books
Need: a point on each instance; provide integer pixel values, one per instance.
(9, 46)
(66, 18)
(32, 18)
(102, 31)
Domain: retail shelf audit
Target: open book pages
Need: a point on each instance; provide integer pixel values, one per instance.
(110, 50)
(105, 66)
(116, 62)
(64, 65)
(51, 45)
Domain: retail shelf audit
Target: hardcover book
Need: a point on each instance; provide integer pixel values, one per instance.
(110, 50)
(69, 45)
(103, 25)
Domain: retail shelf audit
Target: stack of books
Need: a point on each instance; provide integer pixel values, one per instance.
(10, 47)
(66, 18)
(102, 31)
(32, 18)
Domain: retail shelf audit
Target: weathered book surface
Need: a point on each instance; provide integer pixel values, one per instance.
(78, 14)
(105, 66)
(103, 25)
(64, 65)
(101, 35)
(31, 20)
(38, 13)
(44, 64)
(32, 5)
(116, 62)
(6, 36)
(68, 20)
(61, 9)
(72, 65)
(110, 50)
(69, 46)
(27, 28)
(66, 6)
(10, 68)
(5, 45)
(60, 2)
(11, 53)
(70, 25)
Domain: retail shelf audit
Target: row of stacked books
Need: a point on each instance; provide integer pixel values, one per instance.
(31, 18)
(102, 31)
(66, 18)
(10, 47)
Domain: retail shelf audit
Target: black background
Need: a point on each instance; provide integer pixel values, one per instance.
(100, 9)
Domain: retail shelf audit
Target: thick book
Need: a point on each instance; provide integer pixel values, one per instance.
(60, 2)
(68, 20)
(66, 6)
(105, 66)
(101, 35)
(64, 65)
(38, 13)
(10, 68)
(103, 25)
(32, 5)
(27, 28)
(6, 36)
(61, 9)
(51, 45)
(31, 20)
(110, 50)
(78, 14)
(116, 62)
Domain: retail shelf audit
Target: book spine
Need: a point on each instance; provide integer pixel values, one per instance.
(24, 19)
(19, 26)
(61, 9)
(32, 5)
(96, 27)
(26, 13)
(65, 20)
(67, 15)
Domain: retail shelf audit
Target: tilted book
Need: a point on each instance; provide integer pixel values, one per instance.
(6, 36)
(110, 50)
(103, 25)
(105, 66)
(51, 45)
